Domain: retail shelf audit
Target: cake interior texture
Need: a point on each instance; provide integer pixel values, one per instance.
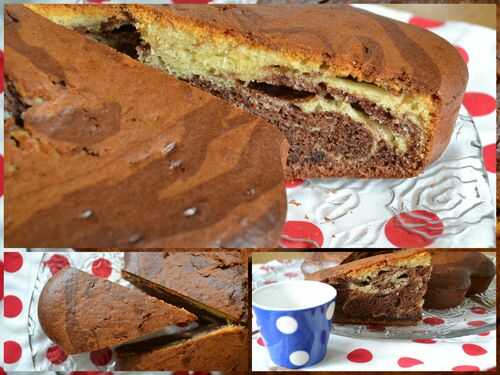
(386, 293)
(336, 123)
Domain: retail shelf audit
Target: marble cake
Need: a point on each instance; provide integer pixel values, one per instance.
(355, 94)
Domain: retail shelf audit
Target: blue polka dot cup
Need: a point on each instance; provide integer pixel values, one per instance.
(294, 318)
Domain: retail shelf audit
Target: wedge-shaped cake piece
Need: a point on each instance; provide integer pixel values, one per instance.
(356, 94)
(83, 313)
(384, 289)
(103, 151)
(213, 281)
(223, 349)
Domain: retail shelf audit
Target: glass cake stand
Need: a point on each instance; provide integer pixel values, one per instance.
(476, 315)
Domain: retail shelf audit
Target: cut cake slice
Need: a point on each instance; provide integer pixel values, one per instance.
(83, 313)
(211, 281)
(386, 289)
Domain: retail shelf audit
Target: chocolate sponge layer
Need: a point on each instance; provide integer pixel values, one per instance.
(384, 289)
(328, 143)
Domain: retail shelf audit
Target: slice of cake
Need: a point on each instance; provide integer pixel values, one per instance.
(103, 151)
(384, 289)
(355, 94)
(214, 349)
(215, 282)
(83, 313)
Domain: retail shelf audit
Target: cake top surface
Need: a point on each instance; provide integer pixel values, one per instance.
(473, 262)
(350, 41)
(75, 310)
(126, 155)
(403, 258)
(217, 279)
(342, 38)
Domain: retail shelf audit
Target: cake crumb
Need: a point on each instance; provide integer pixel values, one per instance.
(169, 147)
(87, 214)
(250, 192)
(190, 211)
(135, 238)
(175, 164)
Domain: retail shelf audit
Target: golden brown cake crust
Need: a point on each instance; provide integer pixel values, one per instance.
(83, 313)
(113, 153)
(376, 261)
(217, 279)
(371, 48)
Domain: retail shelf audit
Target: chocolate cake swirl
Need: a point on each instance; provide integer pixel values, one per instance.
(386, 289)
(355, 94)
(103, 151)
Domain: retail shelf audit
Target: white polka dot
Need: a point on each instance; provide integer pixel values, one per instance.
(299, 358)
(329, 311)
(287, 325)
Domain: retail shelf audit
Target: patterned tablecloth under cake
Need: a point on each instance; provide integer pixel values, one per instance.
(475, 352)
(25, 345)
(451, 205)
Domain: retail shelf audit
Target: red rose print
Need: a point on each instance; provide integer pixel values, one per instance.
(101, 268)
(433, 321)
(406, 362)
(472, 349)
(101, 357)
(301, 234)
(13, 261)
(11, 352)
(360, 356)
(56, 263)
(12, 306)
(479, 104)
(425, 22)
(413, 229)
(56, 355)
(293, 183)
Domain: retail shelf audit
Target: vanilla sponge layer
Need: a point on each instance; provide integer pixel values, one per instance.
(320, 104)
(187, 52)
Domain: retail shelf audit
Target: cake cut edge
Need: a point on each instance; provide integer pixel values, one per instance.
(398, 148)
(362, 301)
